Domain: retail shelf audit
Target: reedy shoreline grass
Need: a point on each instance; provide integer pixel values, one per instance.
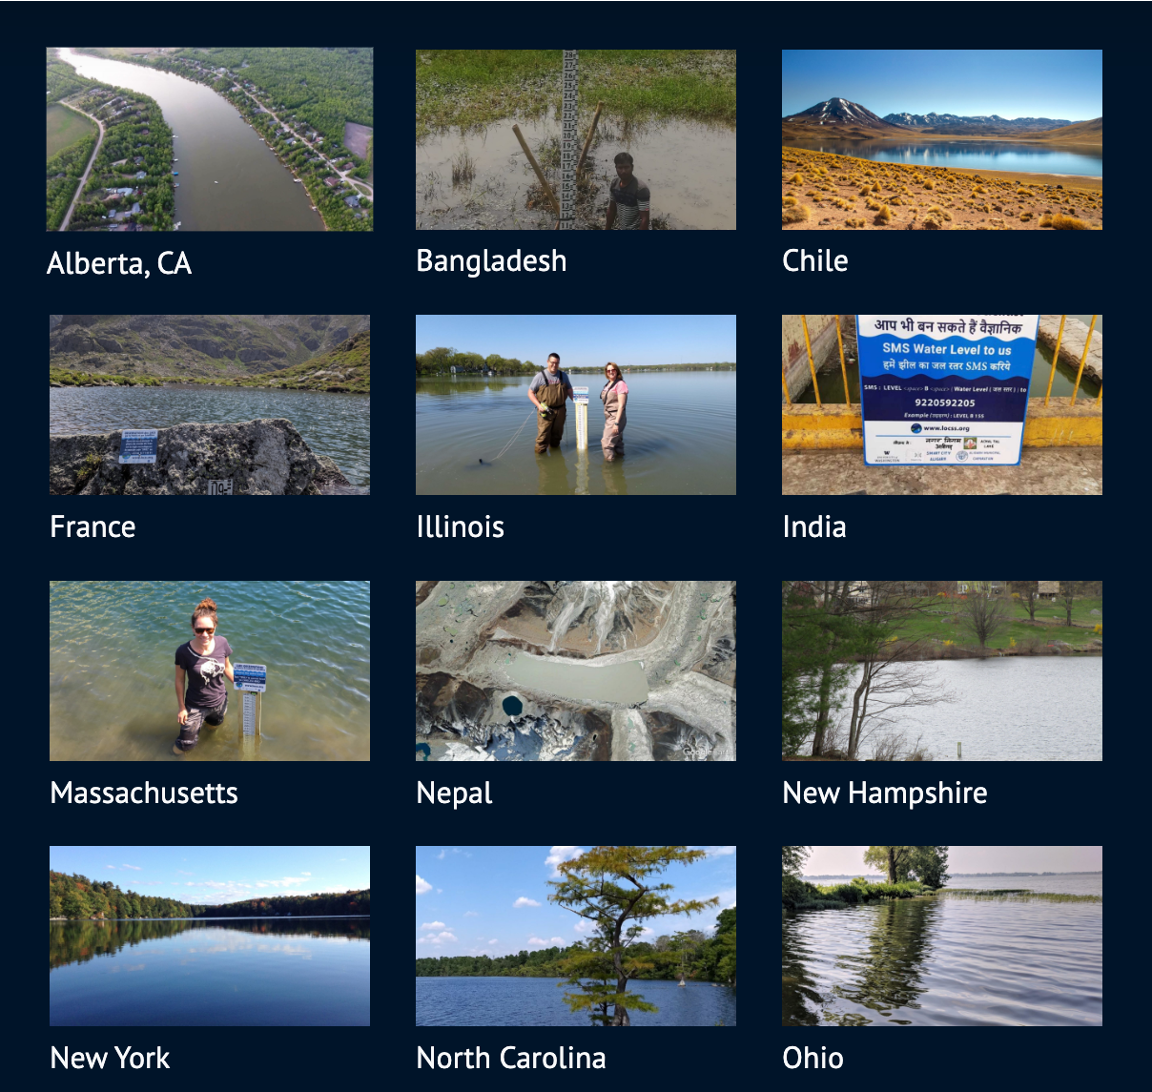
(1014, 895)
(472, 87)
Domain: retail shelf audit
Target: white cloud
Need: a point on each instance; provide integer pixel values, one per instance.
(544, 943)
(439, 891)
(716, 851)
(258, 885)
(493, 942)
(442, 854)
(422, 886)
(437, 940)
(433, 925)
(585, 927)
(135, 868)
(522, 901)
(471, 914)
(181, 872)
(305, 873)
(561, 853)
(288, 881)
(113, 867)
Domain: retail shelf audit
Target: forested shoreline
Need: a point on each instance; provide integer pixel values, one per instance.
(442, 360)
(691, 953)
(78, 897)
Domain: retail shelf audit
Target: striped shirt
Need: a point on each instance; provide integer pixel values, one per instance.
(630, 201)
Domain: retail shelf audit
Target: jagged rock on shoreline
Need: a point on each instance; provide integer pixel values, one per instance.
(265, 456)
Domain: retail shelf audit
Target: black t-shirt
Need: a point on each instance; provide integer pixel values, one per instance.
(204, 673)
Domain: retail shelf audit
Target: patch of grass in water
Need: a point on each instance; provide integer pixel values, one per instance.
(1012, 894)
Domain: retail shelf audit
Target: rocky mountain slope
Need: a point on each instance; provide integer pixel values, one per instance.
(960, 125)
(175, 346)
(837, 117)
(346, 368)
(473, 637)
(1083, 132)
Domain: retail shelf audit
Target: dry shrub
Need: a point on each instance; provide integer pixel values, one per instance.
(884, 216)
(1023, 193)
(896, 201)
(788, 201)
(876, 187)
(986, 208)
(929, 185)
(1025, 216)
(854, 223)
(1065, 223)
(797, 179)
(795, 215)
(981, 189)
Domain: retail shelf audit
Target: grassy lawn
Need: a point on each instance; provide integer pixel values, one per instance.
(65, 127)
(471, 87)
(940, 627)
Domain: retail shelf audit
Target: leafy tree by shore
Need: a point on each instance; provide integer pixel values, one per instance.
(77, 896)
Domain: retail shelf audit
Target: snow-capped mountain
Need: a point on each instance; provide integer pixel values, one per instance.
(838, 114)
(988, 123)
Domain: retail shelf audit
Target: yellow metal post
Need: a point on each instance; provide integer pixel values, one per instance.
(1055, 357)
(843, 370)
(811, 362)
(784, 384)
(1083, 357)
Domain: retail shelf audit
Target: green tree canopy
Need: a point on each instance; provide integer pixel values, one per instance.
(613, 888)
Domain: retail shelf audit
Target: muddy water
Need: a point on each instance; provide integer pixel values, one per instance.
(680, 438)
(583, 682)
(690, 168)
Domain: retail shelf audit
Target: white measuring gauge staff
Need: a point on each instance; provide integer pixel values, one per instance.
(253, 680)
(580, 395)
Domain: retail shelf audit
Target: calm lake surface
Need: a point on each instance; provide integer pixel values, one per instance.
(1015, 709)
(230, 180)
(217, 972)
(336, 425)
(112, 650)
(680, 438)
(538, 1002)
(624, 682)
(970, 155)
(946, 961)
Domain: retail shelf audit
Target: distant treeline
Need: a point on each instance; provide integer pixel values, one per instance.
(350, 902)
(442, 360)
(699, 957)
(77, 896)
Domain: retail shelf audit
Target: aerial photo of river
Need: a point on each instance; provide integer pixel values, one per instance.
(230, 180)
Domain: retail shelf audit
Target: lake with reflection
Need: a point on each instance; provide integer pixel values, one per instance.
(947, 961)
(970, 155)
(236, 972)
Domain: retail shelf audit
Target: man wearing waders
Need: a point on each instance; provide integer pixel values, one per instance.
(548, 391)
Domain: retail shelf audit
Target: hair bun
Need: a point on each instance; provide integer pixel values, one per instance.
(206, 604)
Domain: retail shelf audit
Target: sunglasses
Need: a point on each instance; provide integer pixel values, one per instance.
(205, 629)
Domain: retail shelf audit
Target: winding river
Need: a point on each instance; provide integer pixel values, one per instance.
(230, 180)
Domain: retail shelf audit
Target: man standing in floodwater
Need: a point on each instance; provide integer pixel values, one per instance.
(554, 388)
(628, 194)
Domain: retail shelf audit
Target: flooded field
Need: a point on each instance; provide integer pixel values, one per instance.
(689, 166)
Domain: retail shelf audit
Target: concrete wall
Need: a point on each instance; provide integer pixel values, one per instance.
(794, 355)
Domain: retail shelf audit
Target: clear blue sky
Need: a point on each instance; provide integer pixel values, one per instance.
(585, 340)
(1014, 83)
(493, 900)
(849, 860)
(219, 874)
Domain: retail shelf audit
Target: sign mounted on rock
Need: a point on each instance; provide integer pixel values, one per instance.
(944, 389)
(138, 445)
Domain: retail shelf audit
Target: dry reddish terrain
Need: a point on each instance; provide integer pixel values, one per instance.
(841, 192)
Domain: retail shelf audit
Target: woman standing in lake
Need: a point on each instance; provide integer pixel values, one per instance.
(614, 395)
(204, 663)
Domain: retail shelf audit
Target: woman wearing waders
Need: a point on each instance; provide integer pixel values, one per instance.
(614, 396)
(548, 390)
(204, 663)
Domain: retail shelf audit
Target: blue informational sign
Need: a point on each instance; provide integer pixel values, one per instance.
(138, 445)
(250, 677)
(944, 389)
